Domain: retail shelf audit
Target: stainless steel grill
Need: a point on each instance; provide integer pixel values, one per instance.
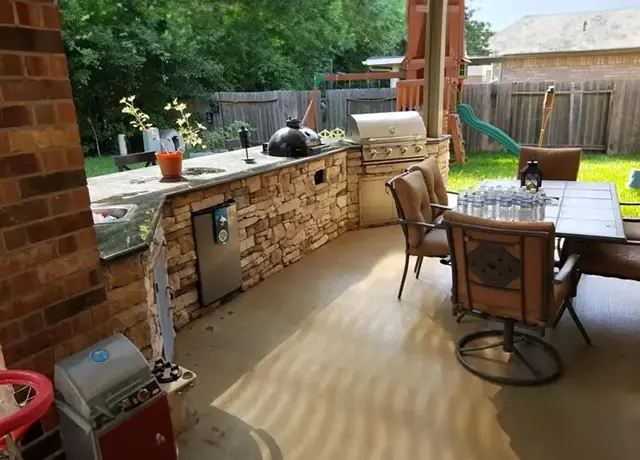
(393, 137)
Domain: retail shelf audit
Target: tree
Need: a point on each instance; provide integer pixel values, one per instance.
(165, 49)
(374, 28)
(477, 34)
(126, 47)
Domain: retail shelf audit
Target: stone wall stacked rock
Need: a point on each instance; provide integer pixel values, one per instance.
(281, 216)
(129, 308)
(443, 156)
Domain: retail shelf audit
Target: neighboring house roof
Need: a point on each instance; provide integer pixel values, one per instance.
(484, 60)
(575, 32)
(383, 60)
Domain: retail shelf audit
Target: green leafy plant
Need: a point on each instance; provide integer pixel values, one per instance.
(190, 130)
(140, 119)
(216, 138)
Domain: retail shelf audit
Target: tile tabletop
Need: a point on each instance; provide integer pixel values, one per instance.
(587, 210)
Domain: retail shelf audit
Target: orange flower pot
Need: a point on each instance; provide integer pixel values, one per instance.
(170, 164)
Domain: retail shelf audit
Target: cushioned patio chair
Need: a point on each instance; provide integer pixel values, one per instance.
(611, 260)
(556, 164)
(423, 238)
(438, 193)
(504, 271)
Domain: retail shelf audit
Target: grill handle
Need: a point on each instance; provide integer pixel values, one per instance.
(376, 140)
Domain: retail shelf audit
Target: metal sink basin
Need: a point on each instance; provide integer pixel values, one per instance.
(106, 214)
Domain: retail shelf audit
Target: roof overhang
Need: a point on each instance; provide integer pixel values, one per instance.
(484, 60)
(384, 61)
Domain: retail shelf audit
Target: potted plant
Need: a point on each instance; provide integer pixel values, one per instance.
(170, 162)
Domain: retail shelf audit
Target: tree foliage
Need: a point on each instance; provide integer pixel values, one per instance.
(477, 34)
(159, 50)
(165, 49)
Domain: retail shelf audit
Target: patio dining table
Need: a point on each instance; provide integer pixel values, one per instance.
(584, 210)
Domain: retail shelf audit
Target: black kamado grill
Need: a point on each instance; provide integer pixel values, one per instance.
(293, 141)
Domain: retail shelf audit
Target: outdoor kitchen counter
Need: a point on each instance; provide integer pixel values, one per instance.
(144, 189)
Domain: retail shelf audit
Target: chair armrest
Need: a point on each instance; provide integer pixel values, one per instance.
(439, 206)
(632, 219)
(629, 204)
(452, 193)
(418, 224)
(569, 267)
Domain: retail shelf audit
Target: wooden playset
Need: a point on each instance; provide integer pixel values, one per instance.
(418, 68)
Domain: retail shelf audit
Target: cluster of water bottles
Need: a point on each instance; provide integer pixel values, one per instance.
(503, 203)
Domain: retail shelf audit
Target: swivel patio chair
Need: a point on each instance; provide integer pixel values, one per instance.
(504, 271)
(423, 238)
(438, 193)
(556, 164)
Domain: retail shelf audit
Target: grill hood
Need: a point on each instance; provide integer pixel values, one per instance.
(383, 127)
(389, 137)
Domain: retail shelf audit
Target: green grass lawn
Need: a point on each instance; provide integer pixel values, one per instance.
(593, 168)
(99, 166)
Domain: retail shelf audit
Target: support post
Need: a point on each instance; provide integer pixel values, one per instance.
(427, 44)
(434, 58)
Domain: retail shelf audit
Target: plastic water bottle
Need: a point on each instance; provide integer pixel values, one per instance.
(463, 202)
(490, 205)
(505, 208)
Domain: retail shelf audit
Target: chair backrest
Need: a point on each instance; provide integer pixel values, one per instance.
(123, 161)
(412, 203)
(433, 179)
(504, 269)
(556, 164)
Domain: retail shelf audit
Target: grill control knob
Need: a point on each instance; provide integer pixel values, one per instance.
(388, 151)
(143, 395)
(374, 152)
(403, 150)
(418, 148)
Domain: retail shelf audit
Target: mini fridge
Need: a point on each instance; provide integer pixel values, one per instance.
(218, 252)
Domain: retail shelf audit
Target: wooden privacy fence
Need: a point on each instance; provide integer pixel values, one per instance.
(600, 115)
(582, 113)
(595, 115)
(267, 111)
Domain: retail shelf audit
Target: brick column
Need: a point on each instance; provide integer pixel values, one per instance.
(50, 274)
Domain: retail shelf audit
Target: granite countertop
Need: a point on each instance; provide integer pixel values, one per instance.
(144, 189)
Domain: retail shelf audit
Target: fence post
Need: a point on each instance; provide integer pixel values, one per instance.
(575, 112)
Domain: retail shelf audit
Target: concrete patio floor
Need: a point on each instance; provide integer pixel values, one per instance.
(321, 361)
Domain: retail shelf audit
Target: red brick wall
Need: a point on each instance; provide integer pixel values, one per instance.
(50, 275)
(572, 68)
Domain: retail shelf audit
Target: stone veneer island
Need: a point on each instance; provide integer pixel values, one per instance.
(286, 208)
